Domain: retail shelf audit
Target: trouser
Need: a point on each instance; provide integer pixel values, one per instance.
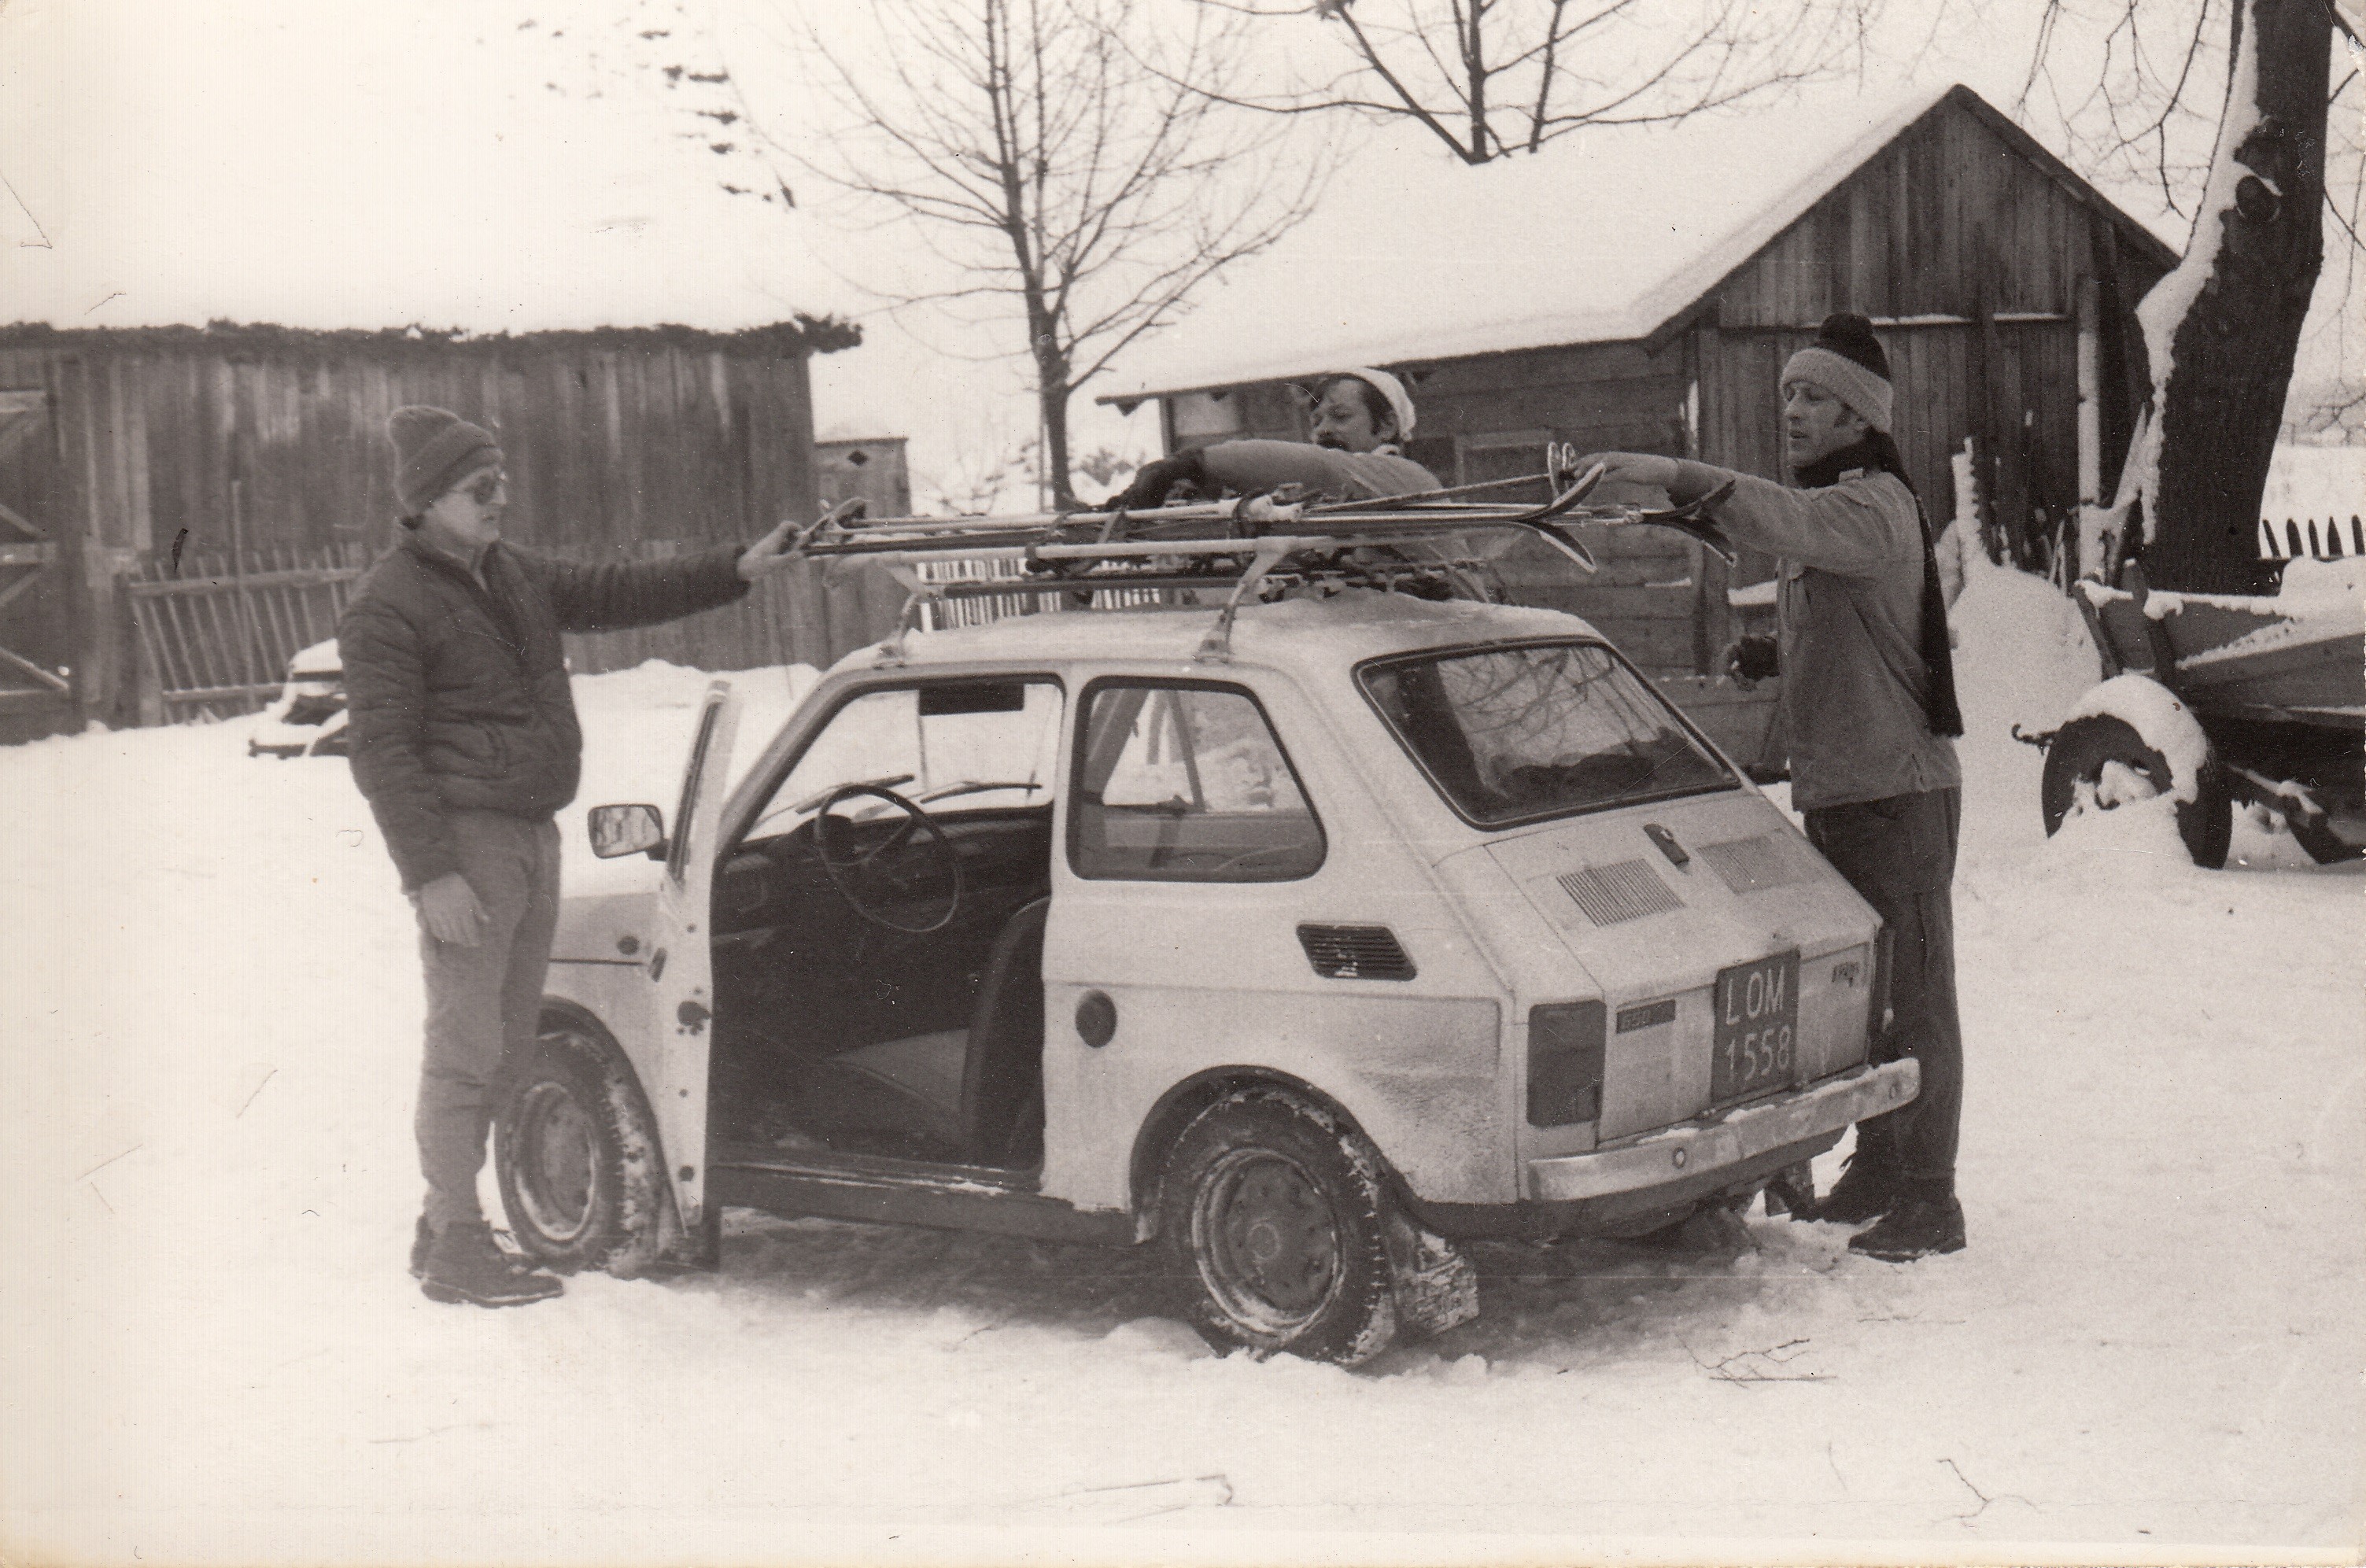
(1900, 855)
(483, 1002)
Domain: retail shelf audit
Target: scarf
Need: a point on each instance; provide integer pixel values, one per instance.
(1879, 452)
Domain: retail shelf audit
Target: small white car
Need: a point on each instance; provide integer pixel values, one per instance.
(1304, 954)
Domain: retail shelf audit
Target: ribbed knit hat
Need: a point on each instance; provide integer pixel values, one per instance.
(1392, 391)
(433, 448)
(1846, 360)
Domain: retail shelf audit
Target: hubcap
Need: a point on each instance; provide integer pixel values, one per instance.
(556, 1158)
(1267, 1244)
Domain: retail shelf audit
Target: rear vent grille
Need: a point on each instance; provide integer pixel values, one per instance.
(1611, 894)
(1752, 865)
(1354, 952)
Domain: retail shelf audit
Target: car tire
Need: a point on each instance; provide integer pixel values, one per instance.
(2319, 841)
(2084, 747)
(1273, 1220)
(576, 1153)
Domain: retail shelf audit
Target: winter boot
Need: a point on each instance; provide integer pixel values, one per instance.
(1917, 1226)
(465, 1264)
(421, 1239)
(1867, 1187)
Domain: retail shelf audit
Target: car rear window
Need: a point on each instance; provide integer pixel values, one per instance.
(1513, 734)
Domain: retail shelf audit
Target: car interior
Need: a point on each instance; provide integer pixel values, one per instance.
(878, 933)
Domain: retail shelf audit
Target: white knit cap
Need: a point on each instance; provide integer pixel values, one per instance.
(1389, 386)
(1845, 379)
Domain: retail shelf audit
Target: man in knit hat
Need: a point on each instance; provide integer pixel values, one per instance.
(1868, 708)
(465, 743)
(1355, 451)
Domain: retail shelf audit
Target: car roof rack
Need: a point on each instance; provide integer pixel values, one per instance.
(1245, 545)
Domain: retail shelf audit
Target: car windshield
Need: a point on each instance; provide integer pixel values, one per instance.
(1541, 730)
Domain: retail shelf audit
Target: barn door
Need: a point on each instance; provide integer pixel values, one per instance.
(36, 693)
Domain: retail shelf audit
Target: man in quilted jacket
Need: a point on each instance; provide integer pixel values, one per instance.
(465, 743)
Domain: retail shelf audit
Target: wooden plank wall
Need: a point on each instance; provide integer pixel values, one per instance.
(615, 446)
(607, 447)
(1945, 218)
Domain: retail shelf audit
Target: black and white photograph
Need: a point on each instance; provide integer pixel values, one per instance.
(1253, 781)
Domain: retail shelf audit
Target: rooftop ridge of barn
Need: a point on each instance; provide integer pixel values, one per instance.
(1505, 227)
(798, 334)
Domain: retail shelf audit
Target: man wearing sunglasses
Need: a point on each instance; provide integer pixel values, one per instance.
(465, 743)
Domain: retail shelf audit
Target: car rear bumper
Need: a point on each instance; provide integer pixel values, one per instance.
(1695, 1150)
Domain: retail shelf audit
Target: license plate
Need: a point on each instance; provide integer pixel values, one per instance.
(1756, 1043)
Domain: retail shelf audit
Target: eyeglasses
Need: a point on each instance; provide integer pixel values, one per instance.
(489, 486)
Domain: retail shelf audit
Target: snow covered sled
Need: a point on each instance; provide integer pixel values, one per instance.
(2217, 699)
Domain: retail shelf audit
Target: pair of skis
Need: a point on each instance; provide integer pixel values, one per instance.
(1206, 529)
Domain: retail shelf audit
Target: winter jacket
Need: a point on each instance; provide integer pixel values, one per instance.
(1855, 681)
(459, 691)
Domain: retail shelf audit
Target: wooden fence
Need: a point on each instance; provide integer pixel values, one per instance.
(216, 632)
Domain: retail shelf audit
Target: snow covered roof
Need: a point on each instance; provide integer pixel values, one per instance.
(1602, 238)
(335, 164)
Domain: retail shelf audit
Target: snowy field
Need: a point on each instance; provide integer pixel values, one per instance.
(209, 1351)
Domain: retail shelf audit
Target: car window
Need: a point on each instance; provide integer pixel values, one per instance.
(1187, 784)
(948, 747)
(1514, 733)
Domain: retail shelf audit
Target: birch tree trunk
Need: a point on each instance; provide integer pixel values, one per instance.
(2222, 329)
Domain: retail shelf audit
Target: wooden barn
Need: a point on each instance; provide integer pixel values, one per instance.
(206, 316)
(1641, 288)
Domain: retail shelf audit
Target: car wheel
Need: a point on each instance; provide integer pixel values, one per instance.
(576, 1155)
(1273, 1219)
(2098, 763)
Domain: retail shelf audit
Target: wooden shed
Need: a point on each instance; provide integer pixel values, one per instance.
(1641, 290)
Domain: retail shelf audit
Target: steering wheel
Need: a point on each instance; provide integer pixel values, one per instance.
(871, 880)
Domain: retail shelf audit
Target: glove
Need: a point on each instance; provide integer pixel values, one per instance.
(1153, 480)
(1754, 659)
(448, 909)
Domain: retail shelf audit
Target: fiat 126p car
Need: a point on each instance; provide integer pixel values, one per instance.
(1302, 918)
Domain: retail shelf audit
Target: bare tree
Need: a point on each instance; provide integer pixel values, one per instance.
(1492, 77)
(2222, 330)
(1049, 167)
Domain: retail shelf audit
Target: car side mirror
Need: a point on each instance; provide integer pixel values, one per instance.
(624, 829)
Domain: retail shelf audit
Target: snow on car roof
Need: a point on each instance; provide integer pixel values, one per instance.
(1331, 632)
(330, 167)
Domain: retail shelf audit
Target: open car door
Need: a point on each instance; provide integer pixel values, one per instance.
(681, 994)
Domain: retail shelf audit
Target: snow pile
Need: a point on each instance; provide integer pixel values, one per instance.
(210, 1351)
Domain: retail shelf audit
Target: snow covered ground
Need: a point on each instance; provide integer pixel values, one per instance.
(210, 1351)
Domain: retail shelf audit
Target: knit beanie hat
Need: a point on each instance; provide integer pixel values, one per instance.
(1846, 360)
(433, 448)
(1400, 401)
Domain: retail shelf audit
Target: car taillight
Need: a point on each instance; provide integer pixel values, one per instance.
(1564, 1063)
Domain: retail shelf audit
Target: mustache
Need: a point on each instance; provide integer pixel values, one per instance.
(1331, 441)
